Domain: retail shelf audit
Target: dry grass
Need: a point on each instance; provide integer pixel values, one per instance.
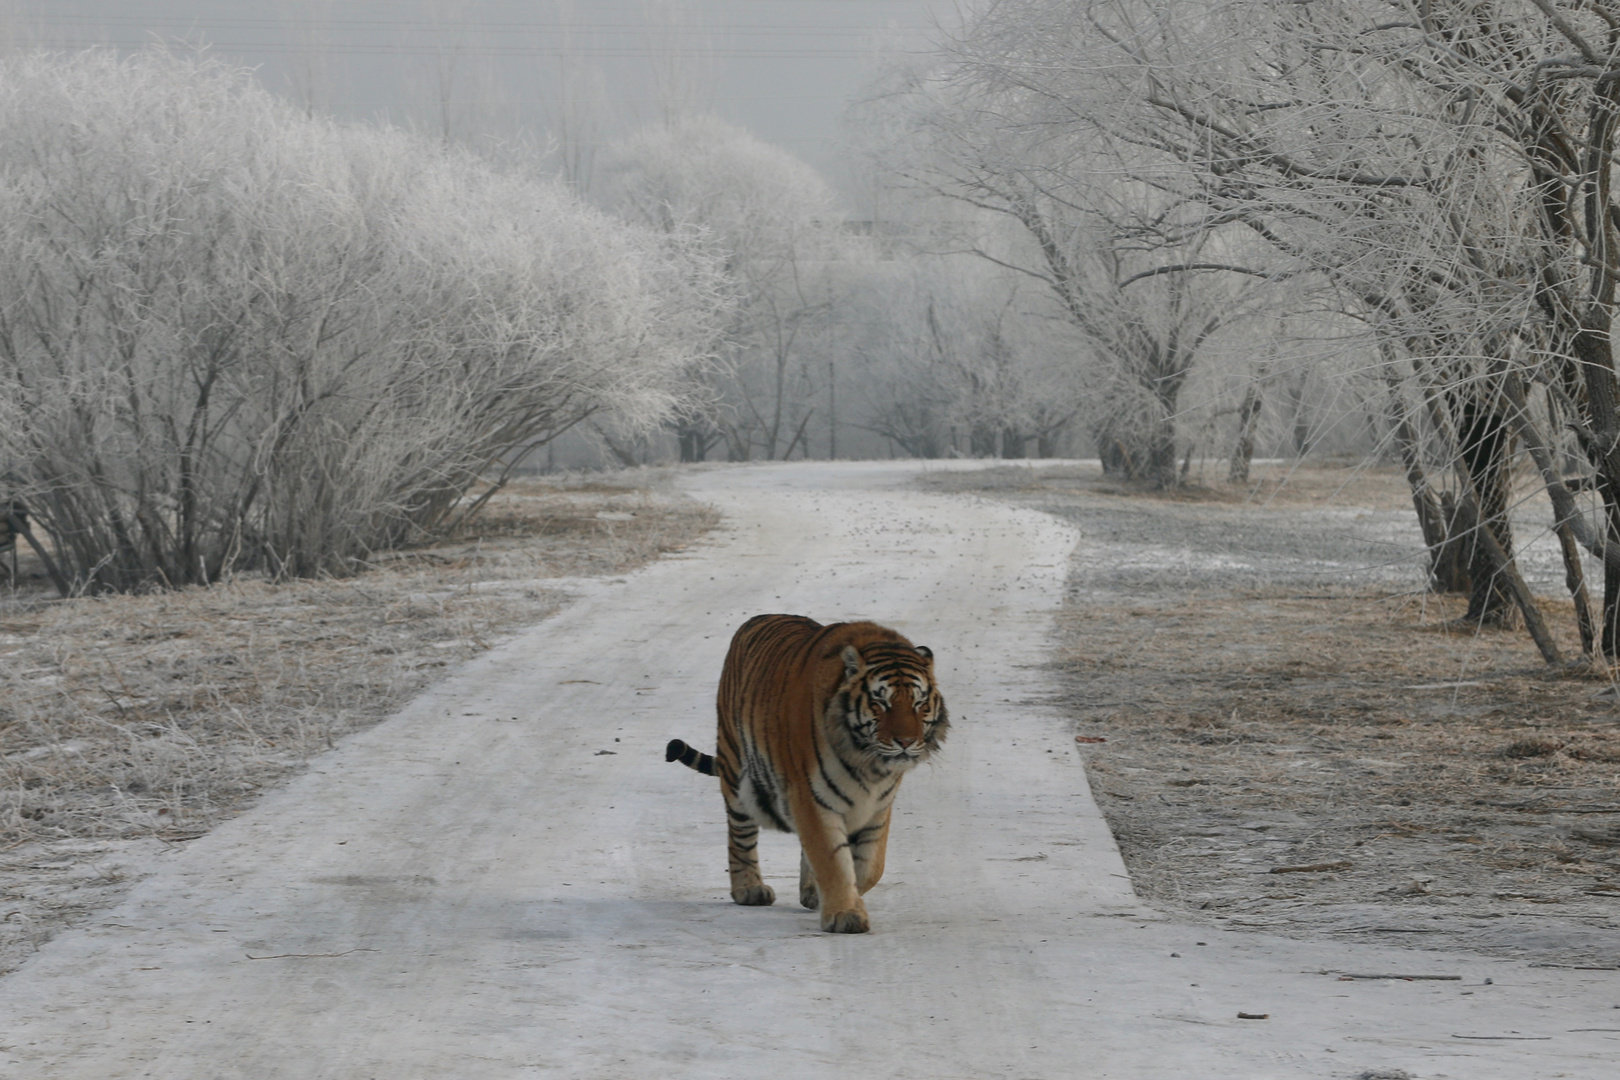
(1443, 786)
(128, 723)
(1271, 483)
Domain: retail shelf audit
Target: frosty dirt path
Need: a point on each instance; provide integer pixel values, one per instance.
(507, 880)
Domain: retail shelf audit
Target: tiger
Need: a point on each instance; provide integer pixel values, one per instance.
(817, 727)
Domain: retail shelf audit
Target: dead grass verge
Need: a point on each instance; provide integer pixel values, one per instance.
(130, 724)
(1321, 755)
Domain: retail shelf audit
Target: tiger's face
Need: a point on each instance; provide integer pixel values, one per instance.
(893, 709)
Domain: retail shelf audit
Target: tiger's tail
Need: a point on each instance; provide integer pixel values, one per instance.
(691, 758)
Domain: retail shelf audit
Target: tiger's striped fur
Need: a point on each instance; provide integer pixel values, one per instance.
(818, 726)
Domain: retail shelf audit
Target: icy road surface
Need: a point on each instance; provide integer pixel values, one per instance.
(506, 880)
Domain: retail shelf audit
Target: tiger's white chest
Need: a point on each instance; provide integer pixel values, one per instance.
(857, 796)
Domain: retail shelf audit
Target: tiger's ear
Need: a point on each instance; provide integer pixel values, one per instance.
(852, 661)
(924, 651)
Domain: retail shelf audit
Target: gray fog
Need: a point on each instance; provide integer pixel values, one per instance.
(507, 70)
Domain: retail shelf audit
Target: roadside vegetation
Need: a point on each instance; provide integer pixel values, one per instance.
(134, 723)
(1320, 745)
(1227, 204)
(236, 338)
(255, 362)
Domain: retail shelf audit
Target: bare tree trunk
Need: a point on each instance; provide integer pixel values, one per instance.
(1161, 463)
(1594, 361)
(1484, 443)
(1114, 454)
(1302, 420)
(626, 455)
(1450, 559)
(1161, 469)
(1496, 561)
(1575, 582)
(1569, 517)
(1502, 568)
(695, 442)
(1243, 447)
(832, 412)
(17, 519)
(799, 437)
(1447, 571)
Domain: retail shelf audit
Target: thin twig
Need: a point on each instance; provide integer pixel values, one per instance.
(1409, 978)
(306, 955)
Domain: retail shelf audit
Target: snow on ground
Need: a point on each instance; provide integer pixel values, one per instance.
(507, 880)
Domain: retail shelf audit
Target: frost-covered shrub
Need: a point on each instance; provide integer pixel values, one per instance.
(778, 227)
(233, 336)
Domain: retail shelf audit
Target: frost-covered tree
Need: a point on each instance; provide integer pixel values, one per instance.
(775, 224)
(1137, 272)
(1288, 123)
(233, 336)
(956, 358)
(1443, 169)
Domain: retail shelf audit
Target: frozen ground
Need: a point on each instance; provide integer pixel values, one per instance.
(1264, 686)
(506, 879)
(130, 725)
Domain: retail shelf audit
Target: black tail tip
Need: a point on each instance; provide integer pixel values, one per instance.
(674, 750)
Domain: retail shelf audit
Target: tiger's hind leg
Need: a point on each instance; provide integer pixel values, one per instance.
(742, 853)
(809, 896)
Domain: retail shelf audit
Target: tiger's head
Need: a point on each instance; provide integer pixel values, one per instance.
(890, 703)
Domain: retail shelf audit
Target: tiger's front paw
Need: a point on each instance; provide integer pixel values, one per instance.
(809, 897)
(851, 921)
(754, 895)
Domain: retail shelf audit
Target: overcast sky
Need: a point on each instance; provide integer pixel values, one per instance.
(783, 68)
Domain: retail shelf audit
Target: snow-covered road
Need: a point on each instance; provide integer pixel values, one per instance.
(507, 880)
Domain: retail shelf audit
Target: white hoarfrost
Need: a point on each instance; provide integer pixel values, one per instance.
(508, 880)
(778, 228)
(233, 336)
